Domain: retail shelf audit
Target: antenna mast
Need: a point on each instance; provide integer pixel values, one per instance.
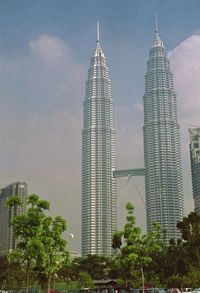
(156, 23)
(97, 32)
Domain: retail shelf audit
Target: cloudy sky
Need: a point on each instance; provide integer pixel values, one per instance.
(45, 50)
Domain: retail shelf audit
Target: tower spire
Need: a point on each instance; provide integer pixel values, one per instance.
(156, 24)
(157, 41)
(98, 50)
(97, 32)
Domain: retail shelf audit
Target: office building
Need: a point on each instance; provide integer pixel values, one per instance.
(195, 165)
(99, 206)
(7, 238)
(162, 153)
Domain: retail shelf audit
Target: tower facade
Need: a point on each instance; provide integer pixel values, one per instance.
(99, 202)
(162, 155)
(195, 165)
(7, 238)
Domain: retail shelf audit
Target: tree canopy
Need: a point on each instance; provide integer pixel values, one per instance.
(40, 245)
(134, 247)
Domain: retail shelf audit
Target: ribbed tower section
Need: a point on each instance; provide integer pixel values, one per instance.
(162, 153)
(195, 165)
(99, 203)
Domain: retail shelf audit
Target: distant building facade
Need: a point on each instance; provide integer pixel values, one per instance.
(195, 165)
(73, 254)
(99, 199)
(163, 172)
(7, 239)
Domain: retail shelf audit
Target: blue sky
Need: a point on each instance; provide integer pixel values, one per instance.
(45, 51)
(73, 20)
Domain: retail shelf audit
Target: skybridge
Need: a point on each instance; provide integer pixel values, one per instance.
(129, 172)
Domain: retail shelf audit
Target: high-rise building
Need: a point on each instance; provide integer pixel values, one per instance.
(99, 206)
(162, 154)
(7, 238)
(195, 165)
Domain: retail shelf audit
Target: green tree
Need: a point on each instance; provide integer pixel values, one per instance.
(11, 275)
(176, 263)
(135, 249)
(192, 278)
(85, 280)
(55, 248)
(39, 241)
(156, 271)
(190, 230)
(98, 267)
(27, 229)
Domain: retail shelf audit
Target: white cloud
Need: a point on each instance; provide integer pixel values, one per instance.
(49, 48)
(59, 73)
(41, 97)
(139, 107)
(185, 64)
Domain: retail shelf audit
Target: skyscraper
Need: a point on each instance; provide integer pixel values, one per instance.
(195, 165)
(99, 206)
(162, 155)
(7, 238)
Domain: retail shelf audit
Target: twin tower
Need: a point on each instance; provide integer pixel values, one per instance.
(163, 175)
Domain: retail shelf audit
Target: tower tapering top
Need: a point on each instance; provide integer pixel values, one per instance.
(98, 51)
(97, 32)
(157, 41)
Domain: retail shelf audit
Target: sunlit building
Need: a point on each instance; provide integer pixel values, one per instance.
(162, 153)
(195, 165)
(7, 237)
(99, 203)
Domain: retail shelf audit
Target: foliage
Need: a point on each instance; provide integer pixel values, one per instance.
(41, 251)
(40, 245)
(54, 245)
(190, 230)
(96, 266)
(11, 275)
(180, 260)
(135, 248)
(192, 278)
(85, 280)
